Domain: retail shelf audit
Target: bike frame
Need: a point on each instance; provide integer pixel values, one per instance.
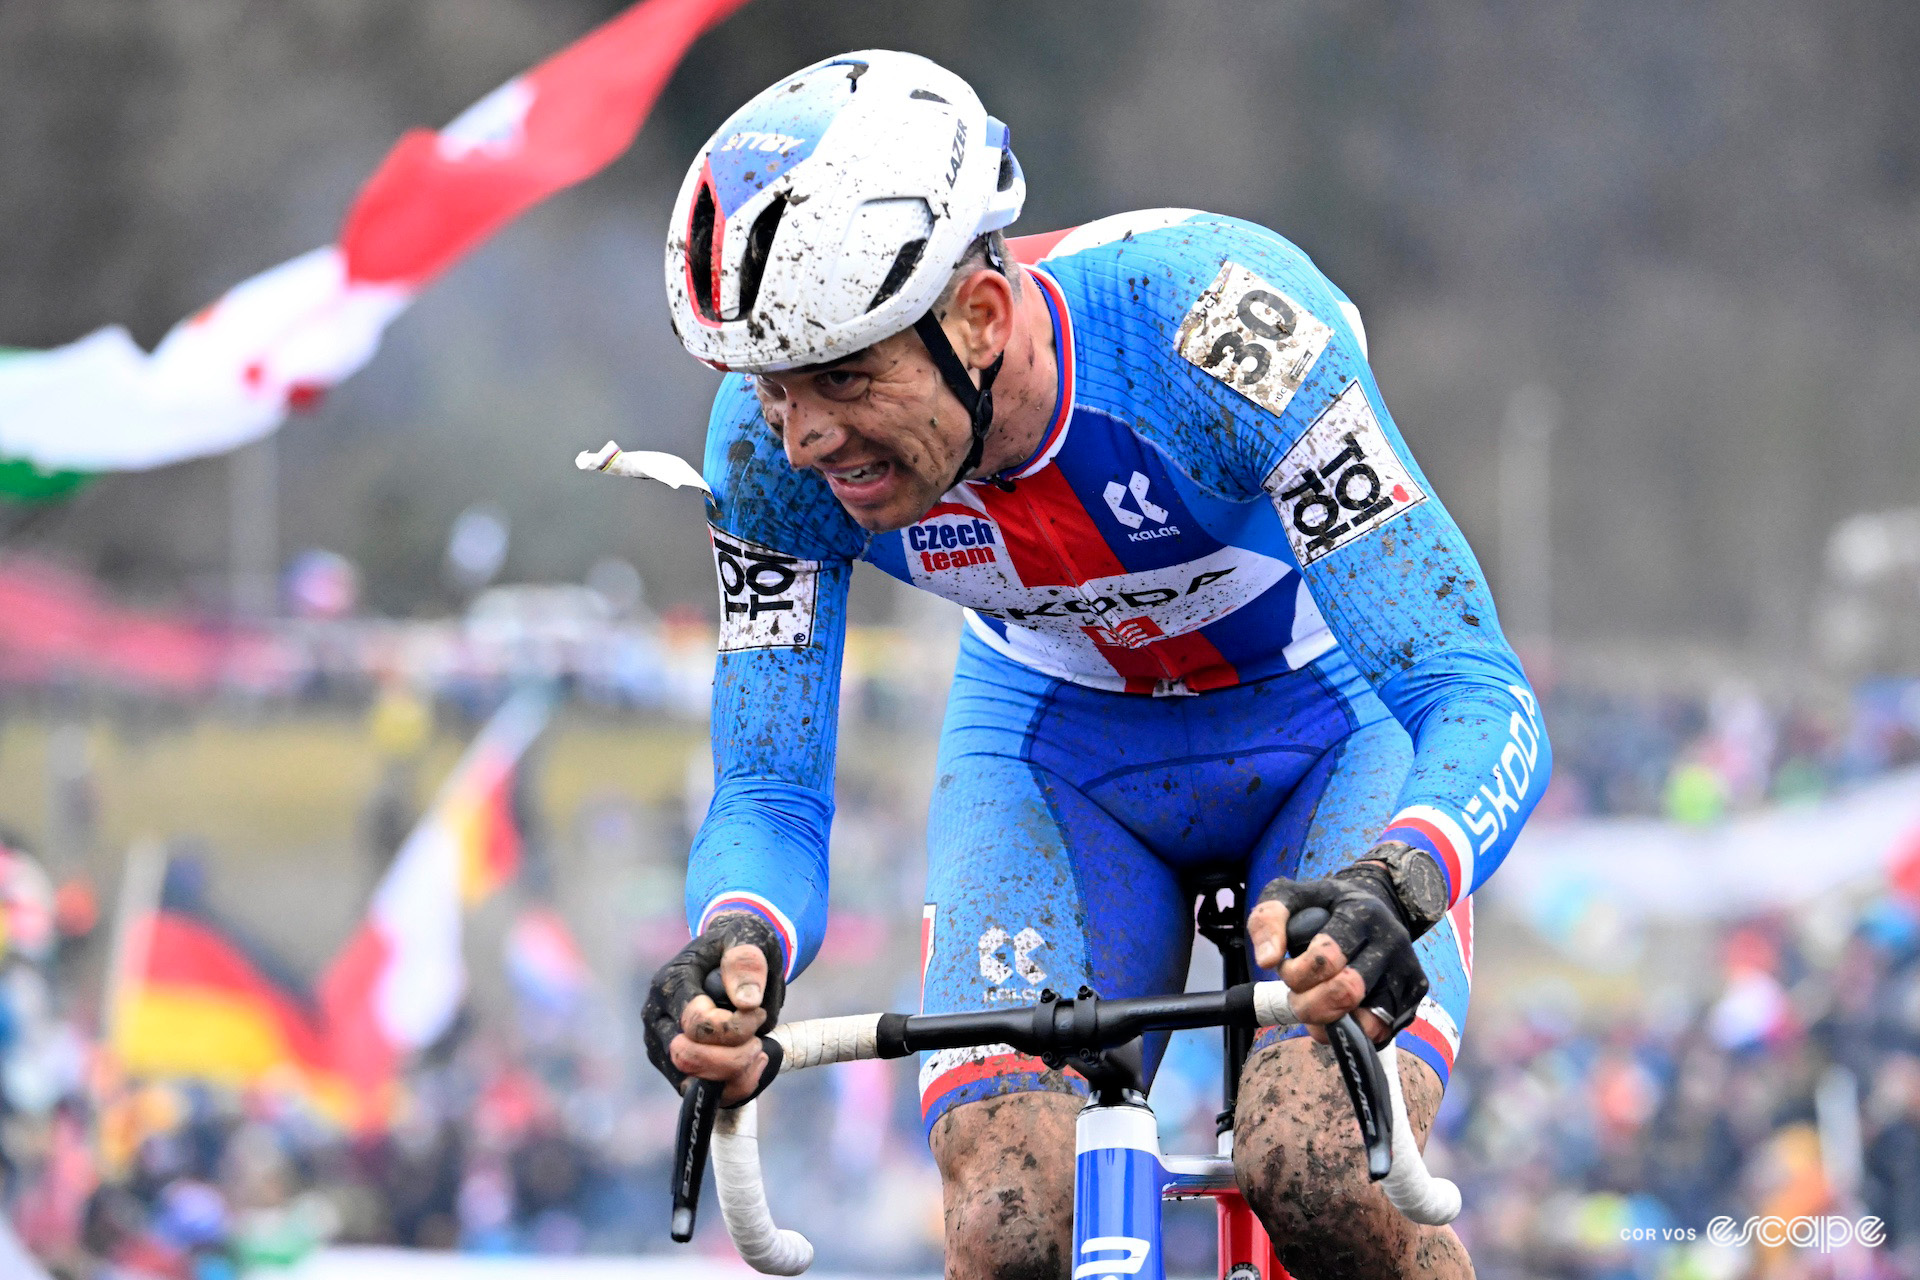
(1120, 1184)
(1121, 1179)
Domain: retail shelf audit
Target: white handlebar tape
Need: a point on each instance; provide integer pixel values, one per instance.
(1414, 1191)
(819, 1042)
(743, 1198)
(1271, 1005)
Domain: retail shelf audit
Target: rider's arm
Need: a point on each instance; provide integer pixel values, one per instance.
(1384, 561)
(781, 550)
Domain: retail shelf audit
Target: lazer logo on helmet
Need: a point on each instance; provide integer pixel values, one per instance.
(766, 597)
(959, 153)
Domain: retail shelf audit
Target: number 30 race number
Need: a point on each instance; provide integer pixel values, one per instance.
(1253, 337)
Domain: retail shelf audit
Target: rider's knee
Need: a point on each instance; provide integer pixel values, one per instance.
(1298, 1156)
(1006, 1172)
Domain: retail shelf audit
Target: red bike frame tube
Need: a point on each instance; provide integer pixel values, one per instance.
(1245, 1251)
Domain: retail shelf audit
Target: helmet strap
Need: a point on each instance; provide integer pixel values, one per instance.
(977, 401)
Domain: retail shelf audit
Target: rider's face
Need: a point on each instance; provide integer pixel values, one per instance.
(878, 426)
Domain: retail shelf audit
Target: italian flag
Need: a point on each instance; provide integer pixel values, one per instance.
(229, 374)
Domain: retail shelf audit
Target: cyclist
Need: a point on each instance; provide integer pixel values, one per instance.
(1217, 621)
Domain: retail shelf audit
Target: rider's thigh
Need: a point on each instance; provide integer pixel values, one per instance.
(1303, 1170)
(1030, 886)
(1006, 1171)
(1332, 818)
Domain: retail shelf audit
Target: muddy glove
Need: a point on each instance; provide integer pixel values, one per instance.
(695, 974)
(1376, 908)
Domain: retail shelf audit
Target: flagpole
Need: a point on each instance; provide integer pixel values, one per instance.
(140, 888)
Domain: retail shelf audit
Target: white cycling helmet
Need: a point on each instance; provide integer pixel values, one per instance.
(831, 210)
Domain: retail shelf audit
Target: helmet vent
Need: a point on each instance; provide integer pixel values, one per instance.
(700, 253)
(903, 264)
(759, 246)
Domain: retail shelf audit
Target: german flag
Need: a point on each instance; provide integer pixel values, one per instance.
(198, 999)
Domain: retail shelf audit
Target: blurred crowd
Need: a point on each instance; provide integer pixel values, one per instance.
(1695, 757)
(535, 1126)
(1600, 1141)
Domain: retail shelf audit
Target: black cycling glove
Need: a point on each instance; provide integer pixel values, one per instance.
(685, 976)
(1373, 927)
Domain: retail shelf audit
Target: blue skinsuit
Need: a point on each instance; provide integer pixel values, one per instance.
(1218, 622)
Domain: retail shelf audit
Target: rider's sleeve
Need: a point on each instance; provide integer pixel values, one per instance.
(1267, 360)
(782, 549)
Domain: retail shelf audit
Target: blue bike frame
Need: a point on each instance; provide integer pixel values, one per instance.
(1121, 1180)
(1118, 1177)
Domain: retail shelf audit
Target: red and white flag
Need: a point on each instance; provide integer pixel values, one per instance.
(227, 375)
(396, 985)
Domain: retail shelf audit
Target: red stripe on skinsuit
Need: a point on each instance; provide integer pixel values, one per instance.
(1049, 536)
(1000, 1064)
(1422, 1030)
(1462, 913)
(1031, 249)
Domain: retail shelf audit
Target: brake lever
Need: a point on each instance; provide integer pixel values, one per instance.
(699, 1108)
(1366, 1080)
(1360, 1067)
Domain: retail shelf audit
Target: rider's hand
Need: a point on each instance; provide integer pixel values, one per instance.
(689, 1034)
(1362, 961)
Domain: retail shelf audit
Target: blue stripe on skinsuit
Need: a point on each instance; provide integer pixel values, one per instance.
(1109, 913)
(1195, 779)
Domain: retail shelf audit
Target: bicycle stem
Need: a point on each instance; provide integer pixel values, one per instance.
(1059, 1027)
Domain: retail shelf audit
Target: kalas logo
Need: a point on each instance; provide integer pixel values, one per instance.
(1116, 496)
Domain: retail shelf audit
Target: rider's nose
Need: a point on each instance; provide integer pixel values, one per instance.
(808, 433)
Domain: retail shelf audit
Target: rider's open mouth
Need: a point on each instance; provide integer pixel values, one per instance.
(866, 476)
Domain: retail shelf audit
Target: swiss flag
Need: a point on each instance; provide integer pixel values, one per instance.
(439, 194)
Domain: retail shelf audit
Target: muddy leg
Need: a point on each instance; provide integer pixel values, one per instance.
(1297, 1151)
(1006, 1170)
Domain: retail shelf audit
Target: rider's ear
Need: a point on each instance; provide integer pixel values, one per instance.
(984, 306)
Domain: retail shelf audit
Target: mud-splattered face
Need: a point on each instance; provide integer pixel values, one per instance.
(878, 425)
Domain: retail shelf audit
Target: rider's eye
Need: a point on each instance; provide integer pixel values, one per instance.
(840, 384)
